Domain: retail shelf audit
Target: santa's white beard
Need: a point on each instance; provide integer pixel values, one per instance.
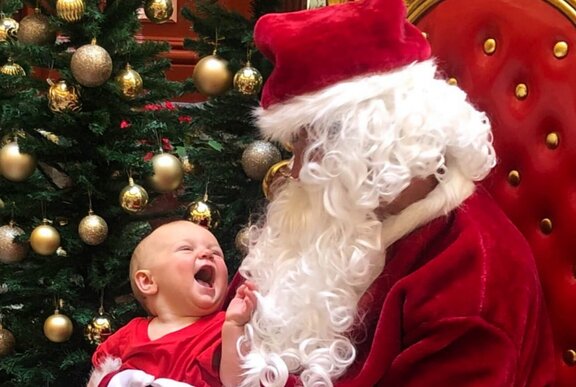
(310, 268)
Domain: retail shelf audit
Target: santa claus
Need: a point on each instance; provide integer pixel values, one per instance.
(380, 263)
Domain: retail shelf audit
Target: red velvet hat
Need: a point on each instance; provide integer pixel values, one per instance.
(317, 48)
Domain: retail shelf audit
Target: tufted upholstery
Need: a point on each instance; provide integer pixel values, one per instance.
(517, 61)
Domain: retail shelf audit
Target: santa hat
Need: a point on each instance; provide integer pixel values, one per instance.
(318, 49)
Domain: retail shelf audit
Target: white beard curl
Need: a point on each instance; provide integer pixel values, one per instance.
(321, 245)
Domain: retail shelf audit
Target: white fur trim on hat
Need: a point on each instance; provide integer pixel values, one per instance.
(110, 364)
(280, 122)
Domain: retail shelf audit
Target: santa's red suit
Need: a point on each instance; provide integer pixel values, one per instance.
(189, 356)
(439, 314)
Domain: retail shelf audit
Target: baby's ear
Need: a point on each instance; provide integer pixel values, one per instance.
(145, 282)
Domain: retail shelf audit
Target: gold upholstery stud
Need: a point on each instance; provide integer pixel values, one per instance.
(546, 226)
(489, 46)
(569, 357)
(560, 49)
(521, 91)
(514, 178)
(552, 140)
(452, 81)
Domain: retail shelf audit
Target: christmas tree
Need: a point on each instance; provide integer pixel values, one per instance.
(93, 155)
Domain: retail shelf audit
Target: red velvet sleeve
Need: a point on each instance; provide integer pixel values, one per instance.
(464, 352)
(111, 347)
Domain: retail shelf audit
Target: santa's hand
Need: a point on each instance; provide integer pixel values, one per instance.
(242, 305)
(131, 378)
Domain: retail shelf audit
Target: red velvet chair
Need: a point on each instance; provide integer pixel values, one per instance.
(517, 61)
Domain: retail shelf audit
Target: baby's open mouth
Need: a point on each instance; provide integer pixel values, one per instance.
(205, 276)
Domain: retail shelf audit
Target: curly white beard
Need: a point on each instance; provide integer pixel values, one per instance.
(321, 245)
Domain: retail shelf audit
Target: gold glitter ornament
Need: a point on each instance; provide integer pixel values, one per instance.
(7, 342)
(63, 97)
(45, 239)
(36, 29)
(168, 172)
(10, 250)
(277, 176)
(258, 157)
(211, 76)
(58, 327)
(91, 65)
(242, 239)
(100, 328)
(203, 213)
(133, 198)
(8, 28)
(248, 80)
(93, 229)
(14, 165)
(129, 82)
(13, 69)
(70, 10)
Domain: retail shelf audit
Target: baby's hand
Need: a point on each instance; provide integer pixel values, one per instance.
(242, 305)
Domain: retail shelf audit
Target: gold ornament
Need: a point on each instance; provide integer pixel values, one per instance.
(91, 65)
(58, 327)
(242, 240)
(13, 69)
(99, 329)
(70, 10)
(10, 250)
(211, 76)
(63, 97)
(45, 239)
(203, 213)
(158, 11)
(133, 198)
(258, 157)
(168, 172)
(93, 229)
(7, 342)
(189, 167)
(129, 82)
(16, 166)
(36, 29)
(8, 28)
(248, 80)
(277, 175)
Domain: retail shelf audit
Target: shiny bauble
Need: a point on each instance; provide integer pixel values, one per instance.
(168, 172)
(248, 80)
(45, 239)
(63, 97)
(58, 328)
(91, 65)
(133, 198)
(93, 229)
(70, 10)
(277, 176)
(36, 29)
(258, 157)
(8, 29)
(203, 213)
(158, 11)
(130, 83)
(12, 69)
(14, 165)
(211, 76)
(7, 342)
(242, 240)
(99, 329)
(10, 250)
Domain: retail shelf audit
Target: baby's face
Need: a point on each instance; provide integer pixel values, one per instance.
(190, 270)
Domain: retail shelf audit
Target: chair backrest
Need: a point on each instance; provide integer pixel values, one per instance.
(517, 61)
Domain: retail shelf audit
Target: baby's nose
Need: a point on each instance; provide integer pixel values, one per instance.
(206, 254)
